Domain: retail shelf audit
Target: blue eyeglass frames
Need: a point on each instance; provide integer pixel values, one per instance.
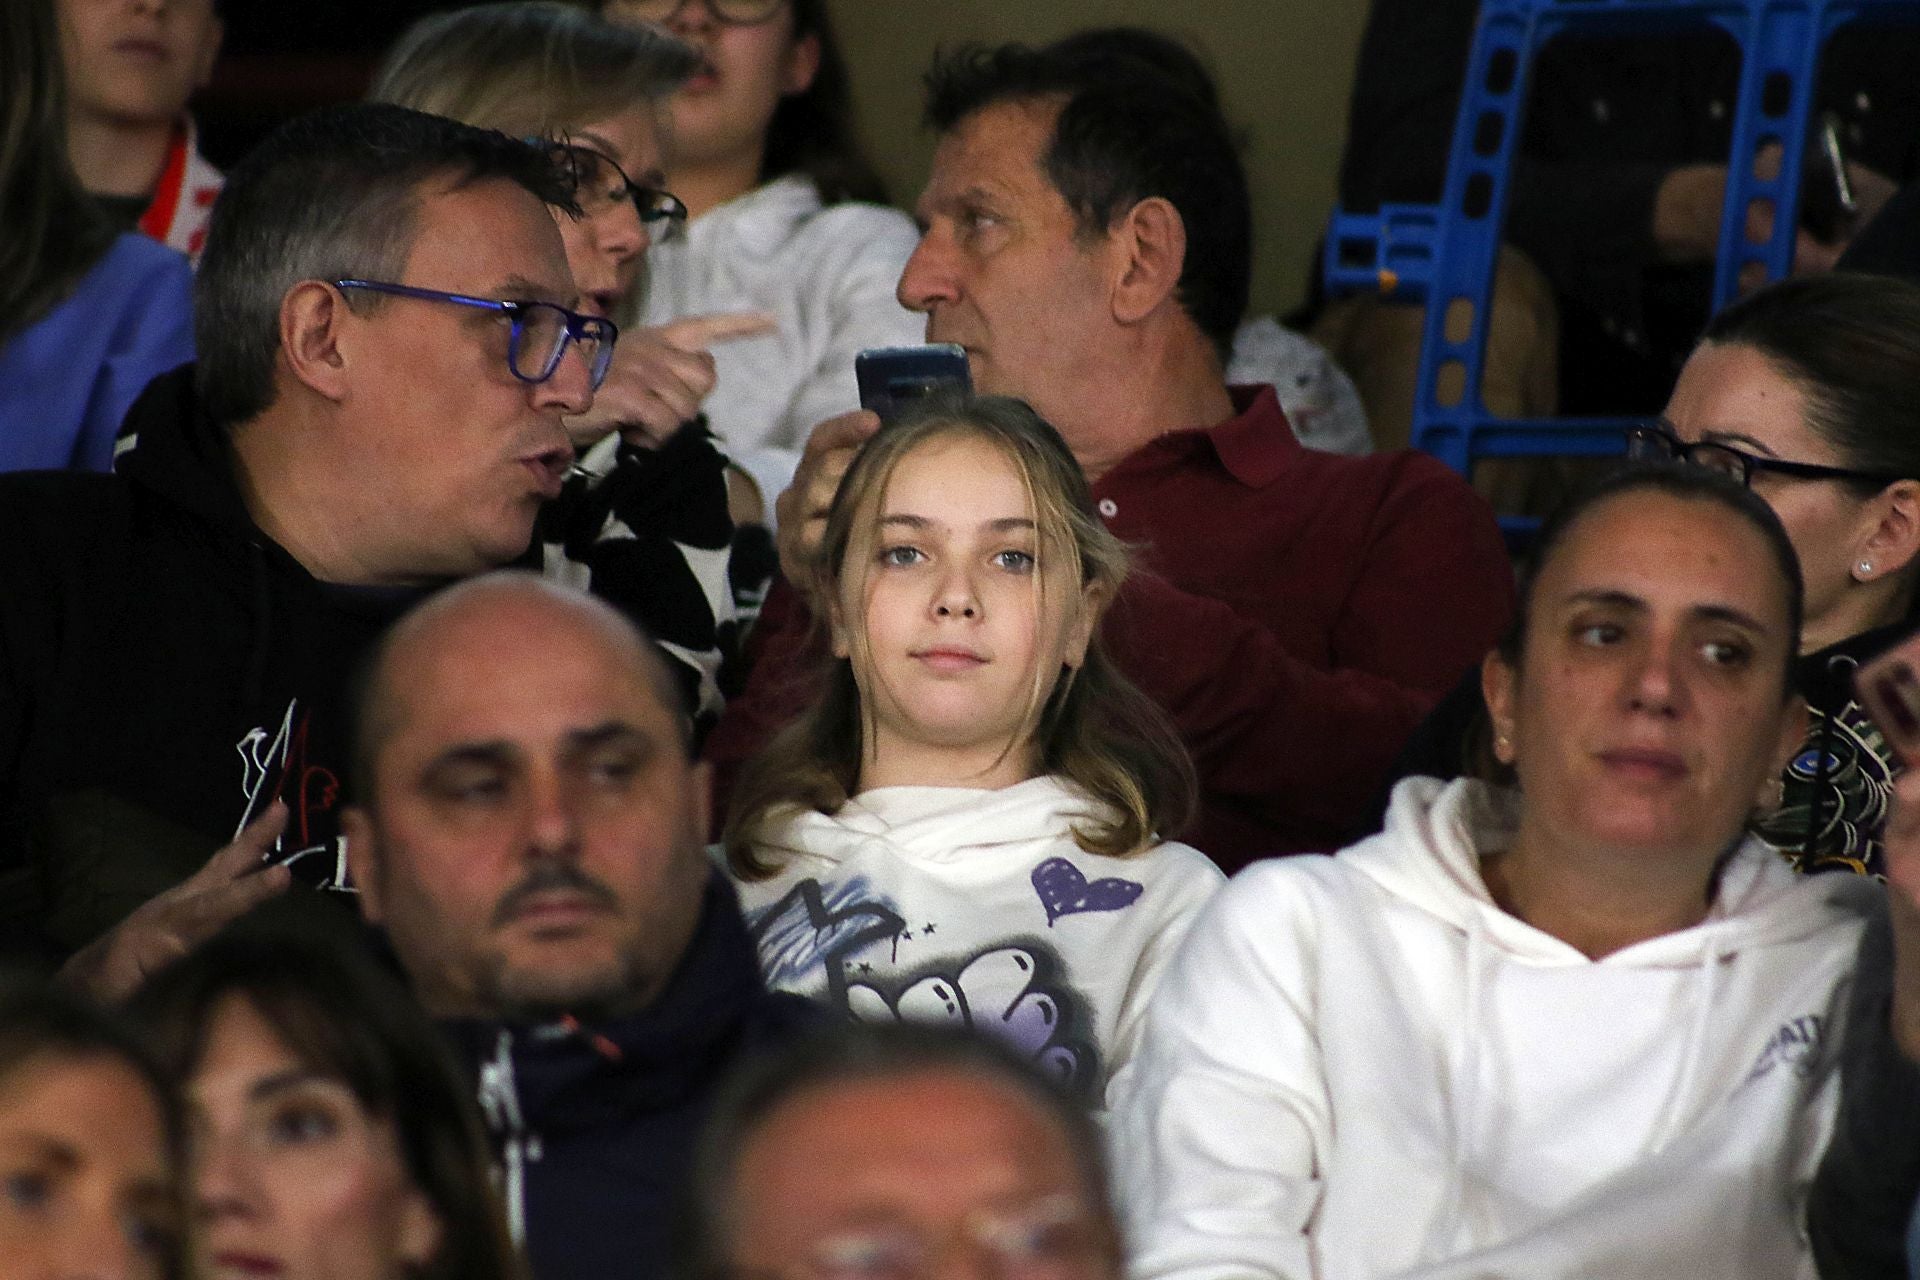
(540, 333)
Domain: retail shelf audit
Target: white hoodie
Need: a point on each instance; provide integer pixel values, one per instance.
(1361, 1067)
(977, 907)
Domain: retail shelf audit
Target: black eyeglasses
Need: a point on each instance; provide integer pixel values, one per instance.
(540, 333)
(1657, 443)
(738, 13)
(598, 185)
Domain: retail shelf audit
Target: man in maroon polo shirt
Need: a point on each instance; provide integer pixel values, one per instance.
(1088, 241)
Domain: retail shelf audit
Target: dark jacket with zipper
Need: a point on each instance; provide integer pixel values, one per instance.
(594, 1123)
(167, 670)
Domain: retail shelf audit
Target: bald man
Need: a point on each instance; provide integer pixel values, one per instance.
(529, 837)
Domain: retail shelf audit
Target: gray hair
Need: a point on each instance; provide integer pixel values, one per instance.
(330, 194)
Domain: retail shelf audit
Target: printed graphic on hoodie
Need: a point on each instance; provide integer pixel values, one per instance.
(274, 764)
(1836, 790)
(879, 966)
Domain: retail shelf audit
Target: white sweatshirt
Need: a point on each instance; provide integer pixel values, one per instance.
(977, 907)
(1359, 1066)
(827, 275)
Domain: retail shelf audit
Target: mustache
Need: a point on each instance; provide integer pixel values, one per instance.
(547, 877)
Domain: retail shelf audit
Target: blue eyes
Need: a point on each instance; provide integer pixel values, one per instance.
(905, 556)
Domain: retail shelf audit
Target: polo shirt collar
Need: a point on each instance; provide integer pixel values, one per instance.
(1257, 444)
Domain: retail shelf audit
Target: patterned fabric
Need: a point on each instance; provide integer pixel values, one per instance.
(182, 204)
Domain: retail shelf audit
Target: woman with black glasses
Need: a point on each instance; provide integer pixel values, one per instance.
(649, 496)
(1809, 392)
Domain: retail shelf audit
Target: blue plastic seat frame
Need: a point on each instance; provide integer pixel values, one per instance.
(1446, 253)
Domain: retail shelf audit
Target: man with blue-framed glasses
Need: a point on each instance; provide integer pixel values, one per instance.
(390, 343)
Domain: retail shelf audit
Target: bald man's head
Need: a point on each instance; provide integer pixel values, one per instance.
(380, 701)
(528, 827)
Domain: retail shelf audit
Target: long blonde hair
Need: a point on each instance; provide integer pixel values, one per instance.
(1093, 727)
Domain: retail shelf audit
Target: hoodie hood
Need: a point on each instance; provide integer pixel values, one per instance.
(169, 446)
(939, 824)
(1429, 856)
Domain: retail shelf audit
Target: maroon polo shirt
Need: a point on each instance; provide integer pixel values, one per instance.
(1297, 613)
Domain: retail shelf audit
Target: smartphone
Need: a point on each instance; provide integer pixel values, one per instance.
(1889, 689)
(890, 378)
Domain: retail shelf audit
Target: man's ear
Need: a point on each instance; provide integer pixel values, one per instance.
(1498, 683)
(1151, 244)
(311, 319)
(362, 855)
(803, 64)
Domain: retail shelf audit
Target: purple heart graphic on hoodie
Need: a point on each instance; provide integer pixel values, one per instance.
(1064, 891)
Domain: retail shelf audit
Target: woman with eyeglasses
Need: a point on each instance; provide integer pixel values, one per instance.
(786, 218)
(645, 490)
(1809, 393)
(593, 91)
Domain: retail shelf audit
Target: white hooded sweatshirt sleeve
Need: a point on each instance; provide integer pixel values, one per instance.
(976, 907)
(1359, 1066)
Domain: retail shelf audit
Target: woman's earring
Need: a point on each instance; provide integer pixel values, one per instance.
(1863, 570)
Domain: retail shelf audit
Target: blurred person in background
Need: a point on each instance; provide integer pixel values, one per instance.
(87, 315)
(871, 1151)
(335, 1140)
(787, 218)
(92, 1146)
(131, 66)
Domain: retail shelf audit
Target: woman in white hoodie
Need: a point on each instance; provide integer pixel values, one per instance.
(964, 828)
(1581, 1026)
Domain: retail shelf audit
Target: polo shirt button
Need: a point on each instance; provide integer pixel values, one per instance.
(1109, 508)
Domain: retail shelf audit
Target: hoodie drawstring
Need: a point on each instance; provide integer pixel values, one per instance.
(1667, 1125)
(500, 1100)
(1445, 1231)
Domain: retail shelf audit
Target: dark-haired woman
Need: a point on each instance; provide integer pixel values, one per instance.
(87, 315)
(336, 1140)
(786, 219)
(1577, 1026)
(1809, 392)
(90, 1148)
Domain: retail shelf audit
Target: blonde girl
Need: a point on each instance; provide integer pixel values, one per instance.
(967, 826)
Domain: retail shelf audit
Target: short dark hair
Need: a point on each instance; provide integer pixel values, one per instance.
(1131, 127)
(1675, 480)
(346, 1019)
(329, 194)
(1851, 344)
(851, 1053)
